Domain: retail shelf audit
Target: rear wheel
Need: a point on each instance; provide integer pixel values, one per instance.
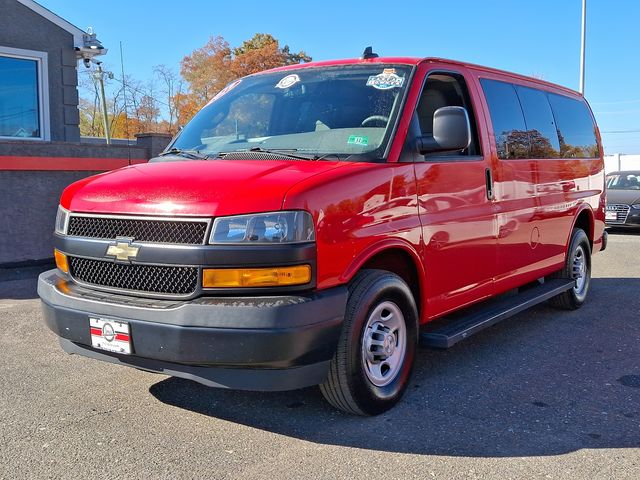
(577, 267)
(374, 358)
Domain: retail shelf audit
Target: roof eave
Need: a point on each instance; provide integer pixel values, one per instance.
(78, 40)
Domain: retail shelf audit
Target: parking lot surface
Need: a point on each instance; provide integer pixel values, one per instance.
(547, 394)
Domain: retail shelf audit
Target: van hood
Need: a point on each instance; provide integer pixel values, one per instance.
(192, 188)
(627, 197)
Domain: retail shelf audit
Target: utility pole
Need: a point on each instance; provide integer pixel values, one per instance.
(98, 75)
(582, 44)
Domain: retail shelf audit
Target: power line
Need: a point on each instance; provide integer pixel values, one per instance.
(137, 90)
(622, 131)
(621, 102)
(616, 112)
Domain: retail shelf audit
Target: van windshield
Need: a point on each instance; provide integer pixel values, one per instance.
(319, 112)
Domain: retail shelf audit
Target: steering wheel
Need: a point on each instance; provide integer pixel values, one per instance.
(374, 118)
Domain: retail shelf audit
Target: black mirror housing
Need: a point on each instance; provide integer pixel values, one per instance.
(451, 131)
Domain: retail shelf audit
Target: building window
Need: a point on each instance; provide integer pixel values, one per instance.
(24, 94)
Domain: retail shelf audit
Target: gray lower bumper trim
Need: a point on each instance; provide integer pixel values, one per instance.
(268, 311)
(234, 378)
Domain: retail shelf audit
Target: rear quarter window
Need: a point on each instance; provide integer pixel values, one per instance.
(576, 130)
(532, 123)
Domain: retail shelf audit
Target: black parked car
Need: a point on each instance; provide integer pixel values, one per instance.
(623, 199)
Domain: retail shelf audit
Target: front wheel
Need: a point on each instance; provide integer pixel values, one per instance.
(577, 267)
(374, 358)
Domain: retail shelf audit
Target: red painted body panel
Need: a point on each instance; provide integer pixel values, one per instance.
(199, 188)
(464, 246)
(537, 200)
(355, 209)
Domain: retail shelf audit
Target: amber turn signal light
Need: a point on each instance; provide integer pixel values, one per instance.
(255, 277)
(61, 261)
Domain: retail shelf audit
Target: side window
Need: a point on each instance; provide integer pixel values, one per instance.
(509, 128)
(576, 130)
(541, 127)
(446, 90)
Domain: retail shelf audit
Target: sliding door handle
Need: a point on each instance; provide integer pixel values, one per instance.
(489, 182)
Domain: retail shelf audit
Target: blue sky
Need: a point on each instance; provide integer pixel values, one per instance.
(535, 37)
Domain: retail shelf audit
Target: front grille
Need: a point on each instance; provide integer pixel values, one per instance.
(141, 230)
(621, 211)
(141, 278)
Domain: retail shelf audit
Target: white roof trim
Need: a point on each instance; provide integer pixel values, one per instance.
(59, 21)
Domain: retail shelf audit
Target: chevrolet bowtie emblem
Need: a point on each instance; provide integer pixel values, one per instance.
(122, 251)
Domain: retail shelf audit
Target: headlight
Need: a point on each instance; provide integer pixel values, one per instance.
(62, 221)
(264, 228)
(636, 206)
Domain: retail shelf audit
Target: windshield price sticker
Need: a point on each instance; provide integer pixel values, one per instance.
(385, 80)
(288, 81)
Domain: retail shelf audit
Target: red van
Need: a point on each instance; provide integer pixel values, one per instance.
(314, 223)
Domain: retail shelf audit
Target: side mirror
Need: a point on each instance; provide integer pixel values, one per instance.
(451, 131)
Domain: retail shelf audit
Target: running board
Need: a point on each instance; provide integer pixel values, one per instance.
(447, 331)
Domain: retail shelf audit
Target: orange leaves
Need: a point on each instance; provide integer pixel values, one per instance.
(209, 68)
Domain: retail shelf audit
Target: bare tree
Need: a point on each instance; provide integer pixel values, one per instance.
(172, 88)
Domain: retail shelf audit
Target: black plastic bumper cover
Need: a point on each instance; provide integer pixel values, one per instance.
(252, 343)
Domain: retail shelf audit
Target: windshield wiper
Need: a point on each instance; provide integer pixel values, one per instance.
(195, 154)
(275, 151)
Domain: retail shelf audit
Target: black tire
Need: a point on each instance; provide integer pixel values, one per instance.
(579, 253)
(349, 385)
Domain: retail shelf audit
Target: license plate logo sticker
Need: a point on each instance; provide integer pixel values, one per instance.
(610, 216)
(110, 335)
(288, 81)
(386, 80)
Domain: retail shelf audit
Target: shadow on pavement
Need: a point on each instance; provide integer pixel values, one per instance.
(623, 230)
(21, 283)
(544, 383)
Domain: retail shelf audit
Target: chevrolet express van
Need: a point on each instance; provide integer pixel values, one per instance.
(314, 223)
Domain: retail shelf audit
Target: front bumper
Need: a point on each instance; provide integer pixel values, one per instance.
(632, 219)
(250, 343)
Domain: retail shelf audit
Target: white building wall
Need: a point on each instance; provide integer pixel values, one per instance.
(613, 163)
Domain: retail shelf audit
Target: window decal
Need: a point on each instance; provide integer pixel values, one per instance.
(385, 80)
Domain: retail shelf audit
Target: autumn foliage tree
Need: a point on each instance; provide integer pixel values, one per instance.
(167, 101)
(209, 68)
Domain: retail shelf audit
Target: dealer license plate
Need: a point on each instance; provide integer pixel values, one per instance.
(111, 335)
(610, 216)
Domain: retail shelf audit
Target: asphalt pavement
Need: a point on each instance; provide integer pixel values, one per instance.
(547, 394)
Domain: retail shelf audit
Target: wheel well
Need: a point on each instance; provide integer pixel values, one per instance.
(399, 262)
(585, 223)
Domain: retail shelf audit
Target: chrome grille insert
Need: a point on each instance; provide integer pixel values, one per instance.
(177, 231)
(157, 279)
(621, 210)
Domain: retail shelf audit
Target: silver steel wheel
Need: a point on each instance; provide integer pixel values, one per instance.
(384, 344)
(579, 271)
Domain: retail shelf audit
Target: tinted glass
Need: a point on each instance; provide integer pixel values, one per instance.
(249, 114)
(624, 181)
(444, 90)
(512, 139)
(543, 137)
(575, 127)
(348, 112)
(18, 98)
